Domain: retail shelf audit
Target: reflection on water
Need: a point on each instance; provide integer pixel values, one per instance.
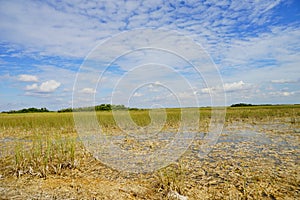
(244, 136)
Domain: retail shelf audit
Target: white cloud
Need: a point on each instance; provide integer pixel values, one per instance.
(74, 28)
(269, 60)
(245, 38)
(45, 87)
(27, 78)
(276, 48)
(272, 5)
(235, 86)
(88, 91)
(137, 94)
(49, 86)
(282, 81)
(227, 87)
(186, 95)
(157, 83)
(281, 93)
(32, 87)
(207, 90)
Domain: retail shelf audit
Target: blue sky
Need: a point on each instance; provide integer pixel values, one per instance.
(254, 45)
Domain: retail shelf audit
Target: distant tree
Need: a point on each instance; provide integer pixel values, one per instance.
(240, 105)
(65, 110)
(119, 107)
(103, 107)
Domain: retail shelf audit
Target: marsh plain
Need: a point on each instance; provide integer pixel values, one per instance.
(257, 156)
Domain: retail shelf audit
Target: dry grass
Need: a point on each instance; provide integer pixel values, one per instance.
(45, 155)
(42, 158)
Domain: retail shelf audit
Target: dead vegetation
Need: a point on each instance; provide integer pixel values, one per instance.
(255, 158)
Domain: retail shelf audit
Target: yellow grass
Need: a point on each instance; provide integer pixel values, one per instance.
(46, 145)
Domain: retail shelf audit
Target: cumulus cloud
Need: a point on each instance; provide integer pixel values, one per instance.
(235, 86)
(49, 86)
(45, 87)
(27, 78)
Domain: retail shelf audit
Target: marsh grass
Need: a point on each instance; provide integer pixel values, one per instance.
(34, 121)
(46, 121)
(44, 144)
(264, 113)
(171, 178)
(44, 155)
(53, 142)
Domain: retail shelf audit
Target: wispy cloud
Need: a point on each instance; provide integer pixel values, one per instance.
(281, 93)
(44, 42)
(137, 94)
(283, 81)
(88, 91)
(227, 87)
(28, 78)
(59, 33)
(32, 87)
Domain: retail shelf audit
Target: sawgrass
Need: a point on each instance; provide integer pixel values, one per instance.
(44, 144)
(56, 121)
(44, 155)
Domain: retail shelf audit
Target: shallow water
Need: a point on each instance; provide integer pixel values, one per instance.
(270, 140)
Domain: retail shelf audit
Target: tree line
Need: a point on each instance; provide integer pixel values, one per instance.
(28, 110)
(248, 104)
(101, 107)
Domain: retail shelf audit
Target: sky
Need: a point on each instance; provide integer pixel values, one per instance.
(152, 53)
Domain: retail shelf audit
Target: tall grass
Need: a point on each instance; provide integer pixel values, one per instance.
(46, 143)
(263, 112)
(44, 155)
(31, 121)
